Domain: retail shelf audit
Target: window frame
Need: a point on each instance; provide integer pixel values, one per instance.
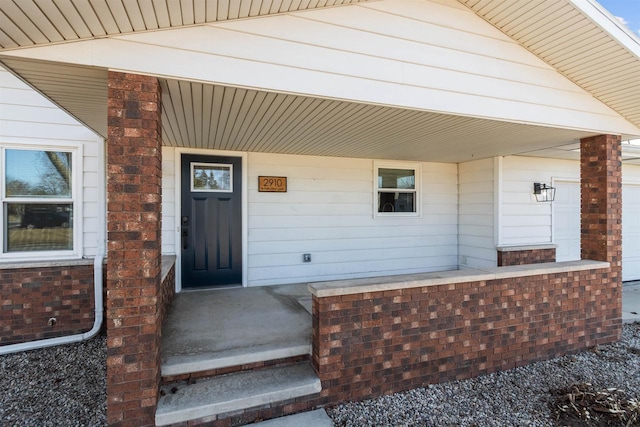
(417, 170)
(75, 201)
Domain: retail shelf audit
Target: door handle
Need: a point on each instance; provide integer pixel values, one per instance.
(185, 239)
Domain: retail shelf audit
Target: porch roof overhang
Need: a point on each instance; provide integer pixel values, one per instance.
(255, 115)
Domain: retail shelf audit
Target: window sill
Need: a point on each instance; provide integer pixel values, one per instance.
(11, 265)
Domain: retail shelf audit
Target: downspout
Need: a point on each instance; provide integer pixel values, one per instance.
(97, 272)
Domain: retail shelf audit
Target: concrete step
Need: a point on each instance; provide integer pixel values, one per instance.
(317, 418)
(235, 392)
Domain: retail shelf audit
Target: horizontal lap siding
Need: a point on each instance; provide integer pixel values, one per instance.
(476, 217)
(524, 220)
(328, 211)
(27, 117)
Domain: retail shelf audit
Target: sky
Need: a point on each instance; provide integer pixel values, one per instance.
(627, 12)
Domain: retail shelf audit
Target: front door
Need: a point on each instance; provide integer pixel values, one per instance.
(211, 221)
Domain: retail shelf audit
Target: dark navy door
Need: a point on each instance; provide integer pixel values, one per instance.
(211, 220)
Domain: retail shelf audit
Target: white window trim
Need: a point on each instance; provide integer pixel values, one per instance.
(76, 200)
(417, 168)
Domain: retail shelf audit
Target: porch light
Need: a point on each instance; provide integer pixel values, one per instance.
(544, 192)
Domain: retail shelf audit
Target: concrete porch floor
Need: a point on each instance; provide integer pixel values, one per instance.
(212, 329)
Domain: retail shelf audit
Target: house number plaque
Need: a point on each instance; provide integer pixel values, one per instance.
(272, 184)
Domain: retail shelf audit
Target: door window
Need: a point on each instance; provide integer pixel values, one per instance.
(212, 177)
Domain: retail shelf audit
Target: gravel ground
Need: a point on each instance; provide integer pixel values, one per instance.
(518, 397)
(65, 386)
(56, 386)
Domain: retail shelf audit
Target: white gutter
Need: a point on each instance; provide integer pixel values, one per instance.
(97, 272)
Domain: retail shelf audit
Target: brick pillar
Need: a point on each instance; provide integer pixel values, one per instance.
(133, 267)
(601, 216)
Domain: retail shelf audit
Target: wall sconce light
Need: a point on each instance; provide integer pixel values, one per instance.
(544, 192)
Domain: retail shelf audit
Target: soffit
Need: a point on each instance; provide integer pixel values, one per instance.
(81, 91)
(224, 118)
(34, 22)
(567, 37)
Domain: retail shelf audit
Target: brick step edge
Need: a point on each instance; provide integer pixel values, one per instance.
(266, 364)
(222, 396)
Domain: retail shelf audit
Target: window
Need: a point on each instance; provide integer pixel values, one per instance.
(212, 177)
(38, 201)
(396, 189)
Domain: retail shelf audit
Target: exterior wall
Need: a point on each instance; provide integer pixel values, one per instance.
(32, 296)
(375, 343)
(525, 221)
(169, 222)
(328, 211)
(26, 117)
(631, 226)
(476, 219)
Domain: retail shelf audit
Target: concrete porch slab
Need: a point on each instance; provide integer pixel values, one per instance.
(214, 329)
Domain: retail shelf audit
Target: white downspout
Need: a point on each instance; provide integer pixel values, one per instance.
(97, 272)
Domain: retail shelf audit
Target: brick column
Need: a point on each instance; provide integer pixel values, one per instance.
(134, 264)
(601, 215)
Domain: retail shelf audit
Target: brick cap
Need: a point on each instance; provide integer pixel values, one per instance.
(526, 247)
(407, 281)
(45, 264)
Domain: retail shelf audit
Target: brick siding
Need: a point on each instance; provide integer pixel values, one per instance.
(371, 344)
(526, 256)
(134, 292)
(31, 296)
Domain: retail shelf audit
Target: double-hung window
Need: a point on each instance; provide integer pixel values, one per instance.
(39, 202)
(397, 189)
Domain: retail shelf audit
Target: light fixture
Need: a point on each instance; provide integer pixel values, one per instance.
(544, 192)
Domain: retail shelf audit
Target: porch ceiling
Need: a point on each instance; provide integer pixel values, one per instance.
(225, 118)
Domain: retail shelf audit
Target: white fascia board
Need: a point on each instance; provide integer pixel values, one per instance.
(608, 23)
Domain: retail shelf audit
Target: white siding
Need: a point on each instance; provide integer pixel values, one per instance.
(435, 56)
(631, 223)
(168, 201)
(525, 221)
(328, 212)
(476, 218)
(27, 117)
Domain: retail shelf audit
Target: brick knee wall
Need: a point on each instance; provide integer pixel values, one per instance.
(31, 296)
(371, 344)
(167, 292)
(526, 256)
